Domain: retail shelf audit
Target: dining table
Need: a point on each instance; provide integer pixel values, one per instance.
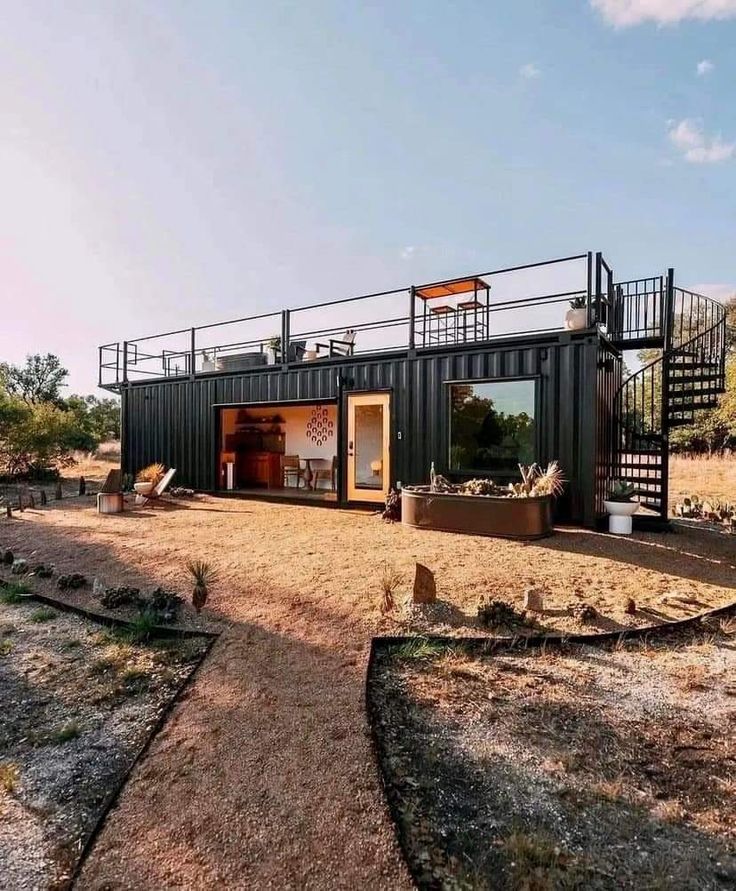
(309, 472)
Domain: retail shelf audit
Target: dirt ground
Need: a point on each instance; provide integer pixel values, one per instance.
(264, 775)
(597, 768)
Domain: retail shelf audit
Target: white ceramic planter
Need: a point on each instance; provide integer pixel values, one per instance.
(143, 488)
(576, 319)
(619, 516)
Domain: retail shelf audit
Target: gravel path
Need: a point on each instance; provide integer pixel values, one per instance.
(264, 776)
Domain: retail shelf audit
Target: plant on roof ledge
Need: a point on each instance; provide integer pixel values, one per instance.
(579, 302)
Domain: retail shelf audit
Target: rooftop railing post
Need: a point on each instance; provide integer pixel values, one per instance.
(598, 285)
(193, 354)
(99, 370)
(285, 335)
(589, 300)
(125, 361)
(412, 318)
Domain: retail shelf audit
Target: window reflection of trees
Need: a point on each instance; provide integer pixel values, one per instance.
(486, 438)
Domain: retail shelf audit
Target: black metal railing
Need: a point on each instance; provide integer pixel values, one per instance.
(381, 322)
(687, 375)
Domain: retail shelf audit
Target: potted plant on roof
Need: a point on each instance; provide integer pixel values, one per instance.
(576, 317)
(273, 346)
(621, 507)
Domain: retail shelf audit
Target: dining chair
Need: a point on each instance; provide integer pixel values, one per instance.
(291, 468)
(326, 473)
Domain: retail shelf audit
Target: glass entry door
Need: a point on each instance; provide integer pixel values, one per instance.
(369, 426)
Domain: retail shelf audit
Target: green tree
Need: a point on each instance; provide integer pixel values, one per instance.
(39, 380)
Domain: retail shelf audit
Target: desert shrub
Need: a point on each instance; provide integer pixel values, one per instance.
(8, 559)
(122, 595)
(20, 567)
(14, 592)
(389, 581)
(66, 733)
(142, 627)
(499, 614)
(479, 487)
(42, 614)
(71, 581)
(43, 571)
(583, 612)
(165, 604)
(392, 507)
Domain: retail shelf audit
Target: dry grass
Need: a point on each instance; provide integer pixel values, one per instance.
(711, 478)
(274, 727)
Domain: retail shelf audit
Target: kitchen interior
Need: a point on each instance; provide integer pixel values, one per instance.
(280, 450)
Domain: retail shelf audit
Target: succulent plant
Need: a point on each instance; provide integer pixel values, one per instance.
(621, 491)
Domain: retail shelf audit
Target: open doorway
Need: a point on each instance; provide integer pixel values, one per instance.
(282, 450)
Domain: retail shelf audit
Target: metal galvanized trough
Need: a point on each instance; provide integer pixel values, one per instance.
(522, 518)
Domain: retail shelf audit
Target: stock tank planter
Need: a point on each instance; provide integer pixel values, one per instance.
(522, 518)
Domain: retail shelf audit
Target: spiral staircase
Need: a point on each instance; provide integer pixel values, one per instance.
(685, 335)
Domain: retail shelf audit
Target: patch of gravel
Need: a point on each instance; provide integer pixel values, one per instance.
(77, 703)
(590, 767)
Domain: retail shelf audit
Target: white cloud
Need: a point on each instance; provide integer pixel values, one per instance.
(624, 13)
(688, 138)
(529, 71)
(705, 67)
(407, 252)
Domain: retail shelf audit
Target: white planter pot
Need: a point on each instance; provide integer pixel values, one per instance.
(619, 516)
(208, 365)
(576, 319)
(143, 488)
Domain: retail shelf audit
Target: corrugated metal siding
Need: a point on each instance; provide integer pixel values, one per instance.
(175, 422)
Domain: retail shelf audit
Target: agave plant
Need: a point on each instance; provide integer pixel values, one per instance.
(153, 473)
(204, 575)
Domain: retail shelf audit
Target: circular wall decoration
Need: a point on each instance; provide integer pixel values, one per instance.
(319, 426)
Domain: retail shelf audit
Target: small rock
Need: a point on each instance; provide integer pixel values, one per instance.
(534, 600)
(631, 606)
(8, 558)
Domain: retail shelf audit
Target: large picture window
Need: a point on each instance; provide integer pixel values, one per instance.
(492, 426)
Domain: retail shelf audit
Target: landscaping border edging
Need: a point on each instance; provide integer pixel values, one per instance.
(116, 621)
(114, 794)
(494, 645)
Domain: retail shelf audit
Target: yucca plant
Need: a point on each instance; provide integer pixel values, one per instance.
(204, 575)
(537, 482)
(153, 473)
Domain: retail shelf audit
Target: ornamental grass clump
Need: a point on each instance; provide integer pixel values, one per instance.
(390, 580)
(153, 473)
(204, 575)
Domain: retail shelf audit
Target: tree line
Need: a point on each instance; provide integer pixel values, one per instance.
(39, 428)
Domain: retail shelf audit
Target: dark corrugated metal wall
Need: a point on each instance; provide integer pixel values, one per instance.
(175, 421)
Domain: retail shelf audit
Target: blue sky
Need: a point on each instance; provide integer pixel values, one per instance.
(168, 164)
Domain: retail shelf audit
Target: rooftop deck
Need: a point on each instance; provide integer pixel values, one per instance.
(515, 301)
